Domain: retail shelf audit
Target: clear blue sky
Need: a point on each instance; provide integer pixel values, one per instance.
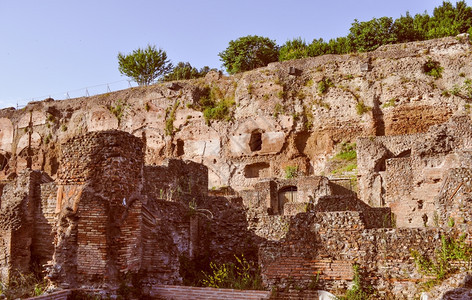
(51, 47)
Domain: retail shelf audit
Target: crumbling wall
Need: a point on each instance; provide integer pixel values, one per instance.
(176, 179)
(372, 217)
(406, 173)
(165, 237)
(454, 202)
(98, 203)
(20, 220)
(321, 248)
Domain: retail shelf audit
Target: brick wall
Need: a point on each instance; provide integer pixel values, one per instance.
(184, 293)
(320, 249)
(110, 162)
(20, 222)
(45, 219)
(99, 208)
(165, 237)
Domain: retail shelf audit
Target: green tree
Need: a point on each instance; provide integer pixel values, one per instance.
(369, 35)
(184, 70)
(448, 20)
(318, 47)
(144, 65)
(249, 52)
(408, 28)
(294, 49)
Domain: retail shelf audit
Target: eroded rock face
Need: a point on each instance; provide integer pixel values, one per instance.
(277, 119)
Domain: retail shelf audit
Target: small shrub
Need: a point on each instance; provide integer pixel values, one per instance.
(358, 291)
(265, 97)
(169, 129)
(118, 110)
(147, 107)
(64, 127)
(455, 90)
(250, 89)
(309, 118)
(433, 68)
(450, 250)
(324, 85)
(242, 275)
(215, 104)
(281, 94)
(291, 171)
(467, 108)
(468, 88)
(24, 286)
(390, 103)
(309, 83)
(361, 108)
(301, 95)
(47, 138)
(50, 118)
(221, 111)
(451, 222)
(278, 109)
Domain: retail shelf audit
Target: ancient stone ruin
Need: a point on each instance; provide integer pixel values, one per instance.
(90, 200)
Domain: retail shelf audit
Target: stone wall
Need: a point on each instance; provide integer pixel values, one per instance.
(454, 201)
(406, 173)
(23, 245)
(321, 248)
(99, 208)
(176, 179)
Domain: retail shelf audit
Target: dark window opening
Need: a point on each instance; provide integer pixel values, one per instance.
(180, 148)
(3, 161)
(255, 143)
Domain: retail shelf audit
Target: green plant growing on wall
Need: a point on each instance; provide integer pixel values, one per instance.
(278, 109)
(50, 118)
(358, 291)
(467, 108)
(170, 118)
(441, 265)
(291, 171)
(118, 110)
(281, 94)
(309, 83)
(309, 118)
(23, 286)
(216, 105)
(47, 138)
(451, 222)
(241, 274)
(389, 103)
(432, 68)
(361, 108)
(346, 159)
(250, 89)
(324, 85)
